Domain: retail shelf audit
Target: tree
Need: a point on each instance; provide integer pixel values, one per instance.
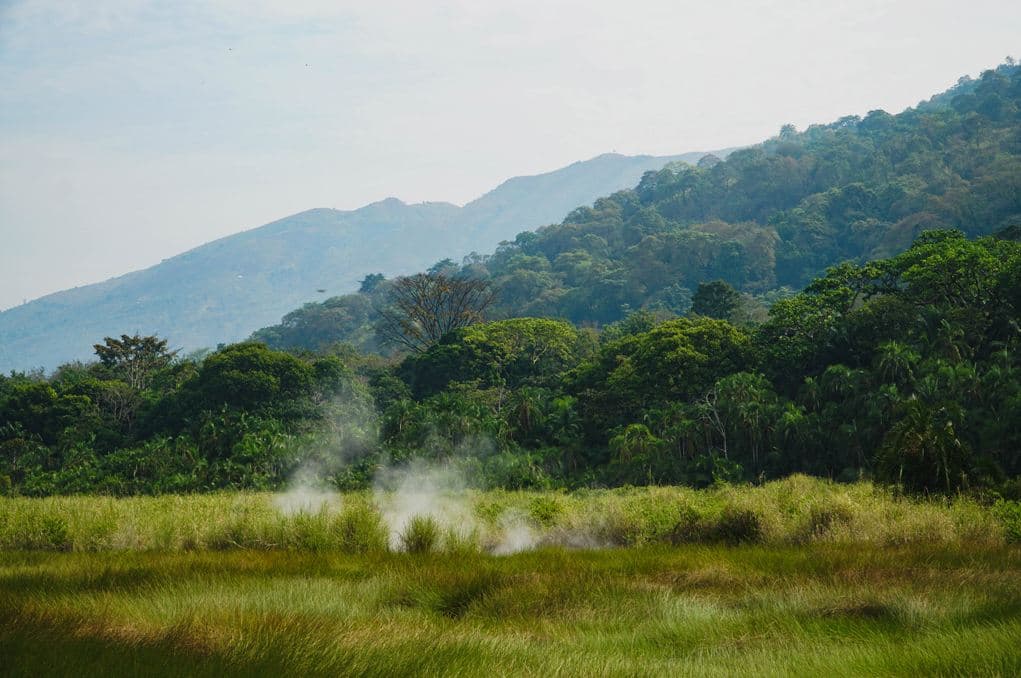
(252, 378)
(135, 359)
(717, 299)
(676, 361)
(505, 353)
(634, 444)
(421, 308)
(370, 283)
(708, 161)
(923, 451)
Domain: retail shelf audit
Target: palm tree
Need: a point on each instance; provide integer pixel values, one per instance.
(635, 442)
(922, 451)
(896, 363)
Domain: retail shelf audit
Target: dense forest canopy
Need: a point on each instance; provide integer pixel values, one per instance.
(654, 337)
(766, 220)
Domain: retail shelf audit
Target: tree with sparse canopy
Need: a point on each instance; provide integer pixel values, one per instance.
(421, 308)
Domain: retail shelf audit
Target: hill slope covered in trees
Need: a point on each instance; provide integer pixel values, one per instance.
(766, 218)
(905, 368)
(222, 291)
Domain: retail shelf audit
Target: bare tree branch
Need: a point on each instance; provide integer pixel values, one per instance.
(421, 308)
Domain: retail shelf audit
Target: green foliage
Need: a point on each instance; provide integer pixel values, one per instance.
(136, 359)
(509, 353)
(316, 326)
(1009, 513)
(677, 360)
(420, 535)
(898, 361)
(717, 299)
(250, 377)
(903, 369)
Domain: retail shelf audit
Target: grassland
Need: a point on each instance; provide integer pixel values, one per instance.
(793, 578)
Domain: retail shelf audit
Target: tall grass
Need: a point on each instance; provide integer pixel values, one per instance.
(795, 577)
(797, 510)
(821, 609)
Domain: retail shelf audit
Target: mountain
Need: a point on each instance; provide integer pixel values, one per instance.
(767, 219)
(223, 290)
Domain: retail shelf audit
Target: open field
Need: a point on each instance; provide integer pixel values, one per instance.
(795, 577)
(797, 510)
(719, 610)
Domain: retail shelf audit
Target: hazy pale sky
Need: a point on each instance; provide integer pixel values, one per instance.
(131, 131)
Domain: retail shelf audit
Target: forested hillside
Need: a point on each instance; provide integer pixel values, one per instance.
(226, 289)
(767, 219)
(631, 344)
(905, 369)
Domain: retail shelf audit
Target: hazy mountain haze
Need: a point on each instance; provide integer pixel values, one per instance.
(133, 130)
(226, 289)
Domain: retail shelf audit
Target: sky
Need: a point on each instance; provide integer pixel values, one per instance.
(133, 131)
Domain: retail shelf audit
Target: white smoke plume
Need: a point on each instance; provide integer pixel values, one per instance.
(307, 493)
(421, 489)
(517, 533)
(440, 491)
(350, 425)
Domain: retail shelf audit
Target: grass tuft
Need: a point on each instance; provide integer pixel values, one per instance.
(421, 535)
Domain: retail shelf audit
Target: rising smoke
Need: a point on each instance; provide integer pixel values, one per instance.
(440, 491)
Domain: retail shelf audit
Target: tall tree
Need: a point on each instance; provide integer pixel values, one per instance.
(421, 308)
(135, 359)
(717, 299)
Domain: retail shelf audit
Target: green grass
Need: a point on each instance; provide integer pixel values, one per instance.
(690, 610)
(797, 577)
(797, 510)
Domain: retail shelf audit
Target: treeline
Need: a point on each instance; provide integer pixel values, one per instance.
(767, 220)
(904, 369)
(143, 420)
(654, 337)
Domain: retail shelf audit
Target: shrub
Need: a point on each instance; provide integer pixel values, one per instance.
(822, 519)
(738, 526)
(309, 532)
(544, 509)
(461, 542)
(55, 533)
(1009, 515)
(690, 528)
(420, 535)
(360, 529)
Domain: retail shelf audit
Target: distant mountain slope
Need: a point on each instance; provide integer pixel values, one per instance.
(545, 198)
(222, 291)
(767, 219)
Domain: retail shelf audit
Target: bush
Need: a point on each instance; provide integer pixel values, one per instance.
(823, 518)
(360, 529)
(738, 526)
(1009, 515)
(544, 509)
(309, 532)
(420, 535)
(690, 528)
(55, 533)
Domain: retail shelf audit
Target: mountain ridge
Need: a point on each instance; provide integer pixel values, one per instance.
(766, 220)
(223, 290)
